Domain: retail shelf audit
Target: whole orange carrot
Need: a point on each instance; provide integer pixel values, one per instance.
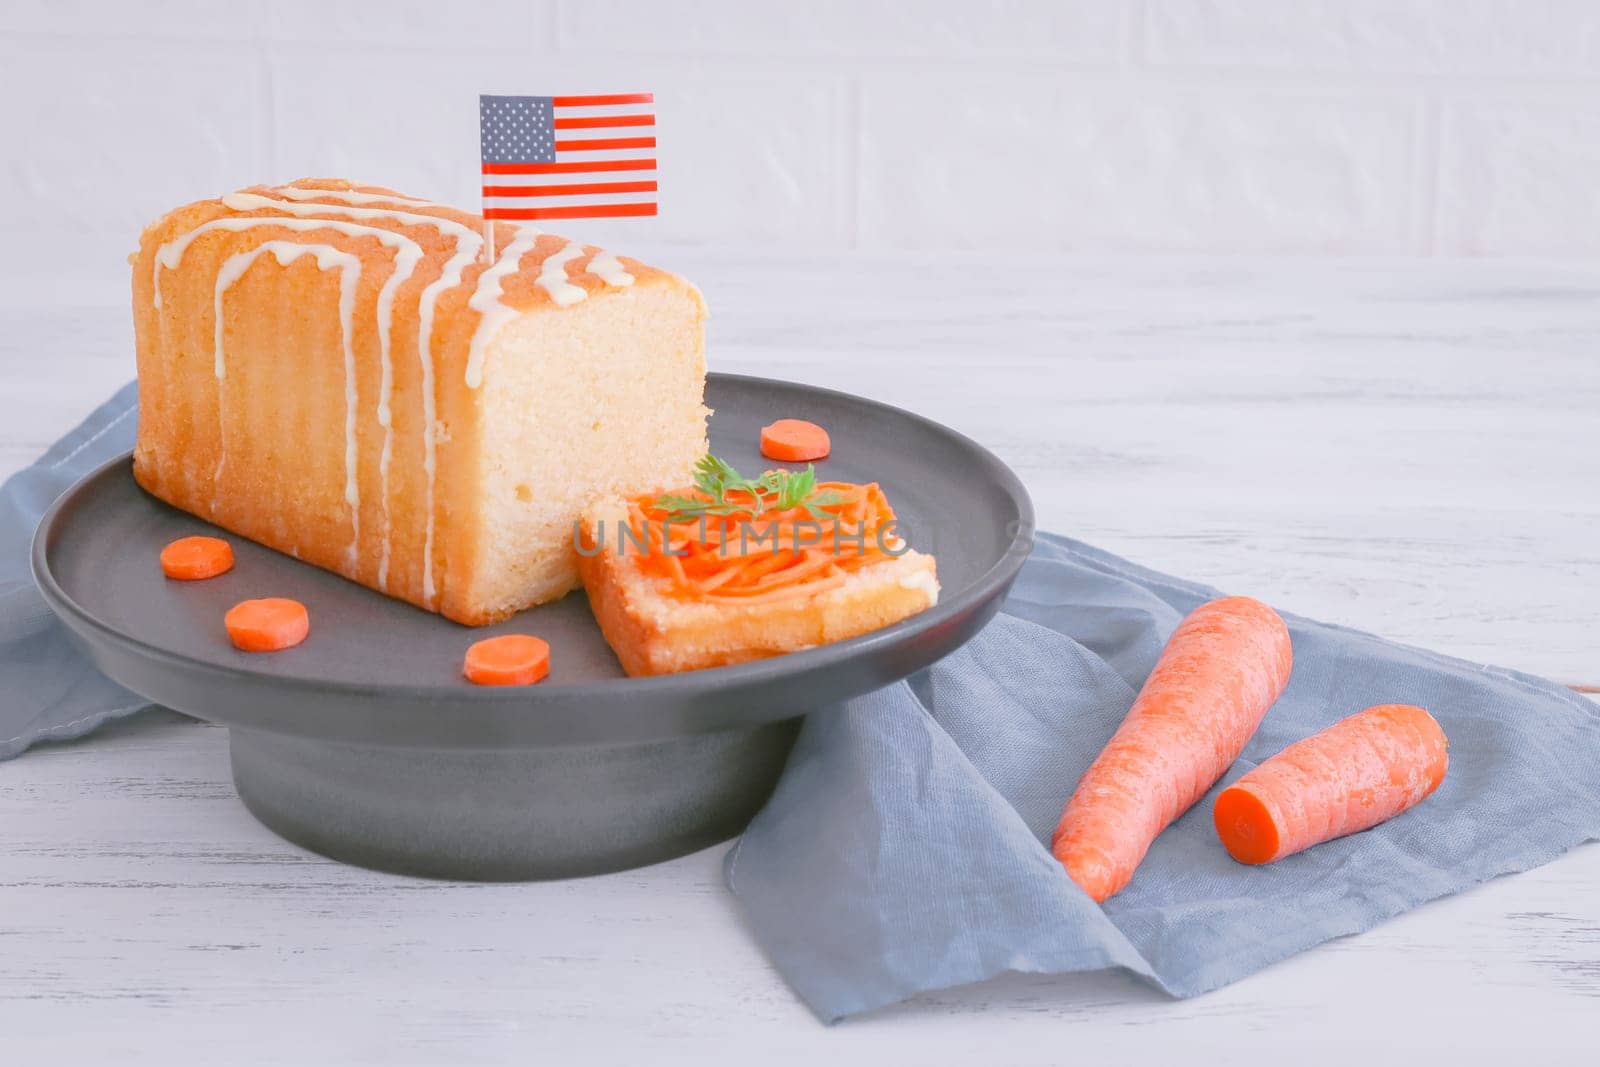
(1350, 777)
(1223, 667)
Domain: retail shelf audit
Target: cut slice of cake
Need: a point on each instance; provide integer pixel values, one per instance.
(344, 373)
(712, 575)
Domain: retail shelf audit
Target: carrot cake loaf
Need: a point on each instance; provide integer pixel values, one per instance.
(341, 372)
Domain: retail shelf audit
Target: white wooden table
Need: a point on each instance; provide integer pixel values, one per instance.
(1410, 448)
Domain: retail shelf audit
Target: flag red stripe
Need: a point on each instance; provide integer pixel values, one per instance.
(605, 143)
(579, 211)
(584, 189)
(572, 168)
(603, 122)
(602, 100)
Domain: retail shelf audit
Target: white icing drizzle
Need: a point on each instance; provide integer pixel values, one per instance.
(243, 201)
(553, 276)
(468, 244)
(307, 214)
(327, 258)
(350, 196)
(407, 255)
(170, 255)
(610, 270)
(486, 301)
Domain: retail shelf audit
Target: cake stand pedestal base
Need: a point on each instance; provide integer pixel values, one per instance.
(509, 814)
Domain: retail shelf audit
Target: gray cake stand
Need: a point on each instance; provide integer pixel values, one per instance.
(365, 743)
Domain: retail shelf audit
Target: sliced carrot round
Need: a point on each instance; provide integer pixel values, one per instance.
(794, 441)
(510, 659)
(268, 625)
(190, 559)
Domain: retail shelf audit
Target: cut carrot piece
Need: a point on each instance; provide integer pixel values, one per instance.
(1350, 777)
(1223, 667)
(190, 559)
(510, 659)
(268, 625)
(794, 441)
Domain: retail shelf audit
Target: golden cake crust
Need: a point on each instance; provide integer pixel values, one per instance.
(337, 423)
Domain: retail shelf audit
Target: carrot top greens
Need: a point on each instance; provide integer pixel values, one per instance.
(776, 490)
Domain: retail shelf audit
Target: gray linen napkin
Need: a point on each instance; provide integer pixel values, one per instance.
(48, 689)
(906, 847)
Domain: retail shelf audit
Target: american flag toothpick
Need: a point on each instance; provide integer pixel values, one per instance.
(567, 157)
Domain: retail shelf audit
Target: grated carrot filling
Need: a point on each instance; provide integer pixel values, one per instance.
(758, 555)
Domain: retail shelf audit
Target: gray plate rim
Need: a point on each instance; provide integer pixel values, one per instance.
(753, 676)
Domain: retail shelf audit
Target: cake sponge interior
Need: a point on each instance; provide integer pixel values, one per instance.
(604, 399)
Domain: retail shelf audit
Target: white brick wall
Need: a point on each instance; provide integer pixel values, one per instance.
(1413, 127)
